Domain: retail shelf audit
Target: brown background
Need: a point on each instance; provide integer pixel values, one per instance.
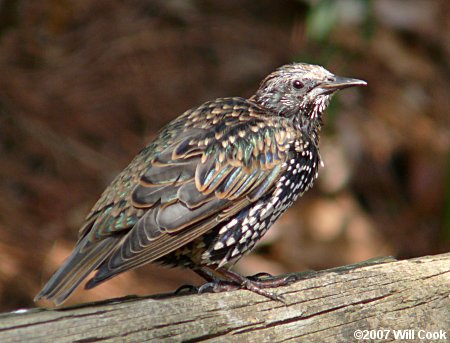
(85, 84)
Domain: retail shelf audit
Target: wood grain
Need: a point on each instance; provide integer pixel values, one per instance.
(329, 305)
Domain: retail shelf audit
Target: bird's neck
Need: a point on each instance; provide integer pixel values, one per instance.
(308, 127)
(307, 118)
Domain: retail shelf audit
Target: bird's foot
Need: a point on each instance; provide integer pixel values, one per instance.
(258, 288)
(267, 280)
(230, 280)
(218, 286)
(188, 289)
(259, 276)
(215, 286)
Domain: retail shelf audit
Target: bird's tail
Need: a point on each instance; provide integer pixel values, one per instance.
(84, 259)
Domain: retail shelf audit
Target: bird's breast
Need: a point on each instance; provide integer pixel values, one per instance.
(239, 235)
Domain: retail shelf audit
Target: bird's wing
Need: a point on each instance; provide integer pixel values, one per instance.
(234, 155)
(228, 154)
(203, 167)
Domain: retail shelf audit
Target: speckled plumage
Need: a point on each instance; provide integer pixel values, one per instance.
(210, 185)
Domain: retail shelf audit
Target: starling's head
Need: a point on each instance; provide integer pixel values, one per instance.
(301, 89)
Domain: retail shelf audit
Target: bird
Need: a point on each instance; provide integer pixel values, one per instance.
(208, 187)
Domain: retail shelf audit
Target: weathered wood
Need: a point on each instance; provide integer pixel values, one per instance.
(382, 294)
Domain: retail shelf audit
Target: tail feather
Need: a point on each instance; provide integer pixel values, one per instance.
(83, 260)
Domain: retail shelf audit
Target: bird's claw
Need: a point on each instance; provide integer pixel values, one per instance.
(186, 289)
(217, 287)
(260, 276)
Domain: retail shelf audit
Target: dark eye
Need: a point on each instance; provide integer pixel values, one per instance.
(298, 84)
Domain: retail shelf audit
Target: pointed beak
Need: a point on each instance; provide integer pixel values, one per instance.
(340, 83)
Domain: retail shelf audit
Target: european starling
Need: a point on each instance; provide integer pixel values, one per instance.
(209, 186)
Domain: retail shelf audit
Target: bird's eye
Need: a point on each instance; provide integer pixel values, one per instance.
(298, 84)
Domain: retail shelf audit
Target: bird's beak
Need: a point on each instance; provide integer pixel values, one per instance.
(340, 83)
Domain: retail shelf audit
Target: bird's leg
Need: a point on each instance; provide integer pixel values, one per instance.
(222, 279)
(213, 283)
(205, 274)
(231, 280)
(255, 283)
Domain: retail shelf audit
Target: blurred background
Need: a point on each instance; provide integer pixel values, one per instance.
(85, 84)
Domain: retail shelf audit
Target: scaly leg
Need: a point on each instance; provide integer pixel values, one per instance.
(231, 280)
(222, 279)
